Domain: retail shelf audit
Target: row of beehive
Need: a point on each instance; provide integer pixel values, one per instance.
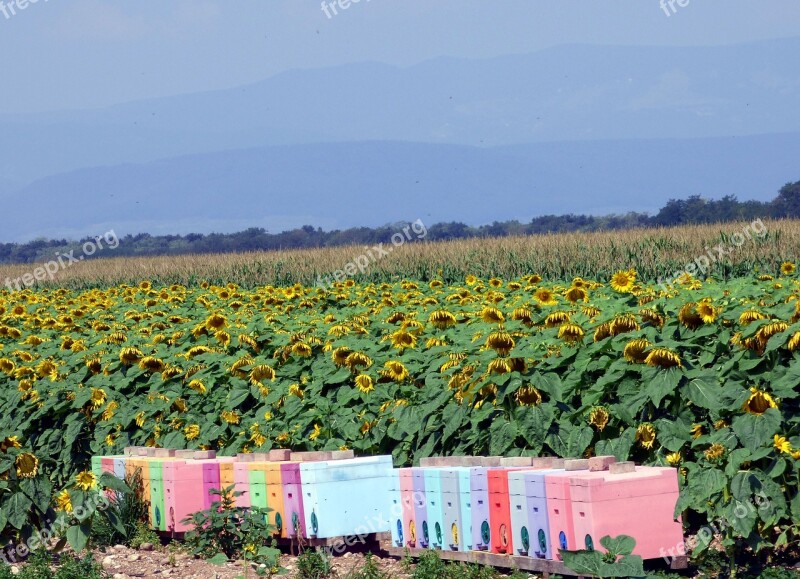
(307, 496)
(519, 506)
(536, 508)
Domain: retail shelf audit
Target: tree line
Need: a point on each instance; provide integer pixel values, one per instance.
(694, 209)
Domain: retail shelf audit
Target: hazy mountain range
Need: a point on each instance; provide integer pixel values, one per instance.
(589, 129)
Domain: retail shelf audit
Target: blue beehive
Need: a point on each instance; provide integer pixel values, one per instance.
(538, 521)
(396, 510)
(479, 491)
(464, 477)
(420, 508)
(433, 498)
(325, 486)
(457, 508)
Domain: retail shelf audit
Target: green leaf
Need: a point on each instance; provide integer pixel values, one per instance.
(109, 481)
(621, 545)
(218, 559)
(704, 391)
(78, 536)
(17, 508)
(755, 431)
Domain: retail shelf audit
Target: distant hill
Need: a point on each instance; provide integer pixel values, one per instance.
(573, 92)
(339, 185)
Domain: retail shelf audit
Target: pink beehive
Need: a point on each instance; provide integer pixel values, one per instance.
(407, 497)
(183, 493)
(559, 510)
(241, 478)
(639, 504)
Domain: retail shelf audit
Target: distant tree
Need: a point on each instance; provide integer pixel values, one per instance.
(787, 203)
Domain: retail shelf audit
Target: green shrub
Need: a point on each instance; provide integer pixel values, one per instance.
(226, 531)
(131, 511)
(313, 564)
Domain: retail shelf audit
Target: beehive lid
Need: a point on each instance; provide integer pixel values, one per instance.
(644, 481)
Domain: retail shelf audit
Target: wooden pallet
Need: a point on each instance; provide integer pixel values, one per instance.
(371, 541)
(543, 566)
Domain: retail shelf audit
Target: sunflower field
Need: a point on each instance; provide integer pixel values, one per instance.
(703, 377)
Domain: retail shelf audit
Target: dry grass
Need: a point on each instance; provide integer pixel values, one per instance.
(652, 252)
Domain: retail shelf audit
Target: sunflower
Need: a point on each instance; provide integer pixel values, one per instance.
(7, 366)
(130, 356)
(499, 366)
(674, 458)
(623, 281)
(302, 349)
(598, 417)
(471, 280)
(602, 332)
(635, 351)
(501, 342)
(367, 426)
(749, 316)
(27, 465)
(192, 431)
(528, 396)
(781, 444)
(86, 480)
(652, 317)
(523, 315)
(571, 333)
(766, 331)
(365, 383)
(395, 371)
(151, 364)
(494, 282)
(697, 430)
(402, 340)
(357, 360)
(714, 452)
(663, 358)
(215, 322)
(759, 402)
(707, 312)
(577, 294)
(442, 319)
(10, 442)
(646, 435)
(262, 372)
(231, 417)
(545, 297)
(622, 324)
(794, 342)
(788, 268)
(689, 317)
(64, 501)
(492, 315)
(556, 319)
(295, 390)
(340, 355)
(98, 397)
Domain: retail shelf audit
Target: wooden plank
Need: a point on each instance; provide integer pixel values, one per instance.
(491, 559)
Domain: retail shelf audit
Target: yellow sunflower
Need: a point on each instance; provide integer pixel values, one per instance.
(646, 435)
(623, 281)
(365, 383)
(598, 418)
(86, 480)
(759, 402)
(27, 465)
(64, 501)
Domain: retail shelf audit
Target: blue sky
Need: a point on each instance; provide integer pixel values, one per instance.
(89, 53)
